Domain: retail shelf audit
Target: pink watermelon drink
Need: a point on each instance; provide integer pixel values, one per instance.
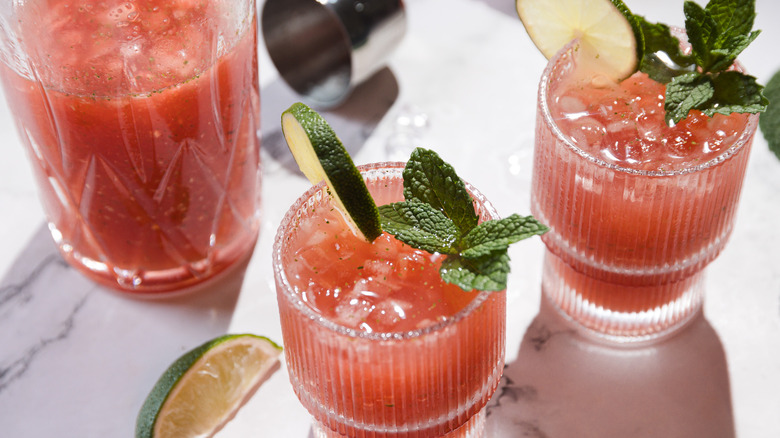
(637, 208)
(643, 134)
(142, 132)
(376, 343)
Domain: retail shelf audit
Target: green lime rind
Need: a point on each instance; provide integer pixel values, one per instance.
(608, 30)
(769, 122)
(331, 162)
(150, 410)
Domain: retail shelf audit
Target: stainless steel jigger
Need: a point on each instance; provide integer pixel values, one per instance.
(324, 48)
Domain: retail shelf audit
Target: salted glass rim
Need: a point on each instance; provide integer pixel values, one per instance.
(392, 168)
(543, 104)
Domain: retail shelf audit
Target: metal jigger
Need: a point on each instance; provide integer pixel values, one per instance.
(324, 48)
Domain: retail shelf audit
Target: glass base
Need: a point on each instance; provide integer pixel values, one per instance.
(183, 280)
(621, 312)
(473, 428)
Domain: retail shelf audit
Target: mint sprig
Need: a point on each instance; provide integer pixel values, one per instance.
(437, 215)
(770, 120)
(718, 33)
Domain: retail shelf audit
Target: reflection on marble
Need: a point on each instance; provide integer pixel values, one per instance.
(563, 384)
(76, 353)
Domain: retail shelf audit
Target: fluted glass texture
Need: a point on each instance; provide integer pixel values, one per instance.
(140, 120)
(627, 246)
(424, 382)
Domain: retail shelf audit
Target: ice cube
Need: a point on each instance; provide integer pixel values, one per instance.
(588, 132)
(410, 263)
(606, 110)
(310, 261)
(648, 128)
(355, 305)
(316, 238)
(570, 105)
(342, 251)
(386, 246)
(379, 269)
(620, 125)
(388, 313)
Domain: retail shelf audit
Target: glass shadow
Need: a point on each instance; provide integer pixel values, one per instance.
(563, 384)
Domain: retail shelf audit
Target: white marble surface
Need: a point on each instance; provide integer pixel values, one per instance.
(77, 360)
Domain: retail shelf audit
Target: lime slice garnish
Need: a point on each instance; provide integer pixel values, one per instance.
(321, 156)
(204, 388)
(608, 32)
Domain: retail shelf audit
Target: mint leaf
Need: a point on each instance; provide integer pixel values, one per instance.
(733, 17)
(687, 92)
(702, 33)
(770, 120)
(431, 180)
(488, 272)
(419, 225)
(497, 235)
(735, 92)
(724, 93)
(729, 49)
(719, 32)
(663, 59)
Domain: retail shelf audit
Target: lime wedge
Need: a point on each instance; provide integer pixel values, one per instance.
(204, 388)
(608, 32)
(321, 156)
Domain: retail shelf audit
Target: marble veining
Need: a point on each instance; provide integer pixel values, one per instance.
(31, 320)
(17, 367)
(20, 291)
(510, 392)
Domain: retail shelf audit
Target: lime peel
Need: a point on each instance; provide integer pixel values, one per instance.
(322, 157)
(609, 35)
(203, 389)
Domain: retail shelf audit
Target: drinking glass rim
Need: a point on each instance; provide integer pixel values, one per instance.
(543, 104)
(293, 298)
